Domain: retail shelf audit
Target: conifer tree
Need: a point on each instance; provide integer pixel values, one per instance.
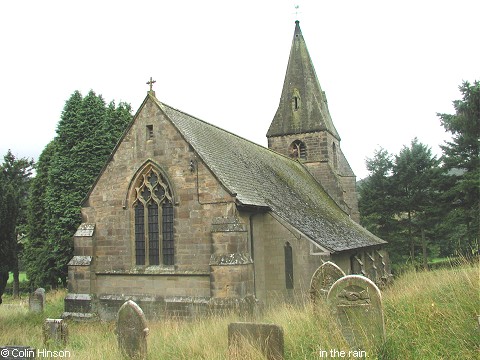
(86, 134)
(375, 203)
(462, 164)
(8, 218)
(14, 178)
(37, 255)
(415, 171)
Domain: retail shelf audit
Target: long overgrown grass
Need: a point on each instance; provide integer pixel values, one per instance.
(429, 315)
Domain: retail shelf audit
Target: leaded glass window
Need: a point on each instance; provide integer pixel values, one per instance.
(153, 212)
(288, 266)
(167, 229)
(139, 234)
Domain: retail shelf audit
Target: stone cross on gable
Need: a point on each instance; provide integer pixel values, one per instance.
(151, 82)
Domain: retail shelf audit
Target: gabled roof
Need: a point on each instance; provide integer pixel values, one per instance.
(261, 177)
(301, 82)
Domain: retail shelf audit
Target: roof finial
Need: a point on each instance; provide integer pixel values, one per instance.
(151, 82)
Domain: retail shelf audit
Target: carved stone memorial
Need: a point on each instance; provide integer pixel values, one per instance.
(36, 300)
(132, 331)
(357, 304)
(323, 279)
(268, 338)
(55, 332)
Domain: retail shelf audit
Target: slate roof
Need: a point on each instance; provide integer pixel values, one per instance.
(261, 177)
(313, 114)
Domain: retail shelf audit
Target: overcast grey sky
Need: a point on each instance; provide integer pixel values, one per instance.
(387, 67)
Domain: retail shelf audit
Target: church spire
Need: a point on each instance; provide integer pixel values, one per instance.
(303, 105)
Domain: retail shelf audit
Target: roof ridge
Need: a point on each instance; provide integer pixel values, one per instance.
(227, 131)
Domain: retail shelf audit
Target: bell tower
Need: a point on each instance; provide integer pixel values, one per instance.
(303, 129)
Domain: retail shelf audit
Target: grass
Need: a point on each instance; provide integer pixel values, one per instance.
(428, 315)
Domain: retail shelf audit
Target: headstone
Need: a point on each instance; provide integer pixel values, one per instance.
(357, 304)
(132, 331)
(248, 306)
(268, 338)
(41, 292)
(55, 332)
(36, 300)
(13, 352)
(323, 279)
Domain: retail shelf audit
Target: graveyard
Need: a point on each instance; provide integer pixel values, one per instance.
(426, 314)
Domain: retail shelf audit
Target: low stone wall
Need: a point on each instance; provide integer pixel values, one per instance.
(106, 306)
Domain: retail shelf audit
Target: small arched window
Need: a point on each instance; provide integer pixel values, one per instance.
(297, 150)
(153, 218)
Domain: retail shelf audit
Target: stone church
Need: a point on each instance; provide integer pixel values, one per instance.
(186, 217)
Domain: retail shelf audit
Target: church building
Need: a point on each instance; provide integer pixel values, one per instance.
(186, 217)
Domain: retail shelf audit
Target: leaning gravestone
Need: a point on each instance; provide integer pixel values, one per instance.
(36, 300)
(268, 338)
(357, 304)
(132, 331)
(323, 279)
(55, 332)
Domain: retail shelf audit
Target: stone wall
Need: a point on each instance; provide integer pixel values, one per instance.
(198, 198)
(269, 238)
(109, 205)
(327, 164)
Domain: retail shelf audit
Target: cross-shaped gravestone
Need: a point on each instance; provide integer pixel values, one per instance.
(151, 82)
(132, 331)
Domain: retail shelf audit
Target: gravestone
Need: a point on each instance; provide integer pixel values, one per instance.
(132, 331)
(323, 279)
(36, 300)
(55, 332)
(357, 304)
(268, 338)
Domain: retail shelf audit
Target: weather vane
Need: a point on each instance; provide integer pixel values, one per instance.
(297, 7)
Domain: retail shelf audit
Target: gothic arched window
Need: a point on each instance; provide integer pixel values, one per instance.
(297, 150)
(153, 213)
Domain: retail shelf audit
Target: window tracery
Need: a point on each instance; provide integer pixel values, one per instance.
(153, 218)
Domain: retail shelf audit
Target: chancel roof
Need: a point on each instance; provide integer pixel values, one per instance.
(261, 177)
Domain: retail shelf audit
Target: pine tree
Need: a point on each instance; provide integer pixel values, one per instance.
(414, 178)
(375, 203)
(15, 176)
(8, 218)
(461, 162)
